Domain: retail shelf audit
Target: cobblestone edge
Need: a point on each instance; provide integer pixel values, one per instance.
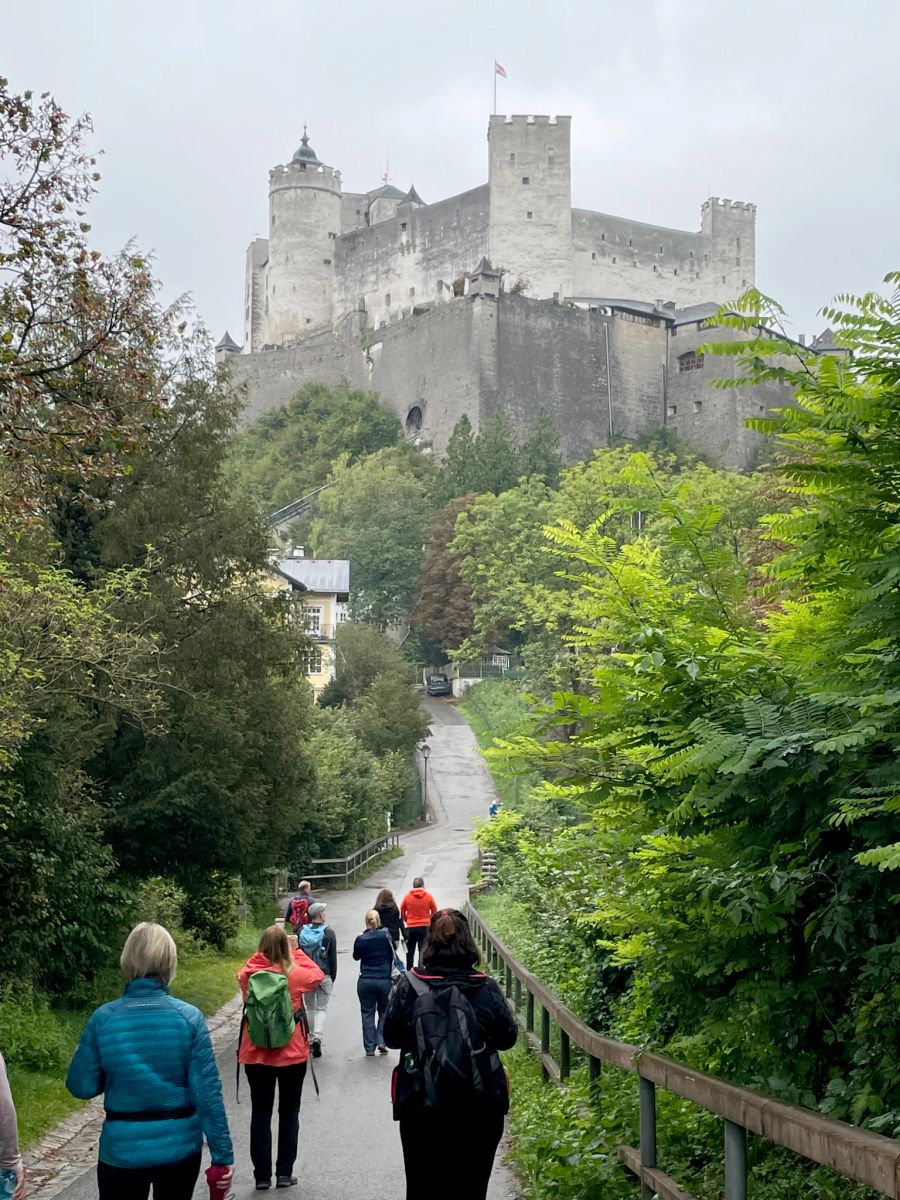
(70, 1148)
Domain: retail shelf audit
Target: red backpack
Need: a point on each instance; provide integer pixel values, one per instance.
(299, 912)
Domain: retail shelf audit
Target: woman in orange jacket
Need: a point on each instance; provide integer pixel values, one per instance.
(284, 1066)
(416, 910)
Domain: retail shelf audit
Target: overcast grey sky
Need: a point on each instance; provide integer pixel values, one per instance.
(792, 104)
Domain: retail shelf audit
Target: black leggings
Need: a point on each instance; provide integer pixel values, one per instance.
(262, 1081)
(174, 1181)
(414, 937)
(476, 1132)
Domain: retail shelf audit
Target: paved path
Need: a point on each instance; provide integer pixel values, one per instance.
(349, 1145)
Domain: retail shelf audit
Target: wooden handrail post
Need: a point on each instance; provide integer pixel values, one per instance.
(735, 1161)
(508, 981)
(648, 1133)
(545, 1037)
(595, 1076)
(529, 1013)
(565, 1055)
(517, 994)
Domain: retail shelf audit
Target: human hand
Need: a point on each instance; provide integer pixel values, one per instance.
(225, 1182)
(19, 1192)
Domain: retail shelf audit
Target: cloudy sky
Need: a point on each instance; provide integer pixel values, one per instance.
(792, 104)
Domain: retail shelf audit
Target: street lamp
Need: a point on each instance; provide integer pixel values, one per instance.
(426, 752)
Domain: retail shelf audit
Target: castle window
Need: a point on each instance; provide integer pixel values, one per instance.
(402, 224)
(512, 157)
(634, 262)
(412, 292)
(737, 261)
(309, 320)
(602, 237)
(332, 236)
(697, 406)
(724, 280)
(692, 254)
(326, 262)
(675, 272)
(661, 250)
(440, 286)
(615, 259)
(737, 247)
(655, 268)
(359, 212)
(690, 361)
(593, 254)
(529, 215)
(525, 180)
(629, 241)
(387, 299)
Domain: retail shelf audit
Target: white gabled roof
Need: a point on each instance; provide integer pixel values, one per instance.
(316, 574)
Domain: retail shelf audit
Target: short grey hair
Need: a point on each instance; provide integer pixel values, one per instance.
(149, 953)
(418, 881)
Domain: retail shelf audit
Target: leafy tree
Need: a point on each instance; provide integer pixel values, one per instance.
(289, 451)
(445, 608)
(362, 653)
(375, 514)
(495, 459)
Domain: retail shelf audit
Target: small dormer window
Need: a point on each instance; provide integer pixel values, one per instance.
(525, 180)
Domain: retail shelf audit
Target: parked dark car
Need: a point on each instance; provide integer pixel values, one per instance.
(438, 685)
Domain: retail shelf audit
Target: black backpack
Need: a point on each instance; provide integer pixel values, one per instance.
(453, 1065)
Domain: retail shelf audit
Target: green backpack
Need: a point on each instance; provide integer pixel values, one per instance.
(269, 1012)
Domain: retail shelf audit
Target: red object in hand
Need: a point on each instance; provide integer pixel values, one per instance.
(214, 1177)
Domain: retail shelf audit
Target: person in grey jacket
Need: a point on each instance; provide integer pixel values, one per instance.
(152, 1058)
(10, 1158)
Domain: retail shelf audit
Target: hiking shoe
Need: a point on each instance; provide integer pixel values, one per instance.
(370, 1054)
(382, 1049)
(286, 1181)
(316, 1047)
(263, 1185)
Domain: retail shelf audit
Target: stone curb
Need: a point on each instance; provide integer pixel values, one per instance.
(70, 1148)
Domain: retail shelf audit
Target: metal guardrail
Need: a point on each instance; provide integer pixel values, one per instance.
(350, 866)
(858, 1154)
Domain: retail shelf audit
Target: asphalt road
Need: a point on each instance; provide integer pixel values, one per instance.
(349, 1144)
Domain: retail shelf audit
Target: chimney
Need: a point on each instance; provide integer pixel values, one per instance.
(801, 337)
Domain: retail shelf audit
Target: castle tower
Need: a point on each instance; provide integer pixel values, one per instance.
(729, 231)
(530, 183)
(304, 221)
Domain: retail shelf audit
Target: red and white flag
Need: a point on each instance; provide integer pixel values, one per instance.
(498, 70)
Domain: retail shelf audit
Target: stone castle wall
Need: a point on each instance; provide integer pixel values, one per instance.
(412, 259)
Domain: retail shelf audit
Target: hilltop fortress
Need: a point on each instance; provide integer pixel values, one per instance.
(502, 296)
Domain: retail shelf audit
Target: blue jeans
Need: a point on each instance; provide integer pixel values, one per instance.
(373, 994)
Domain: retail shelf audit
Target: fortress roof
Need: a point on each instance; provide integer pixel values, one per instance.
(387, 191)
(413, 196)
(227, 343)
(305, 152)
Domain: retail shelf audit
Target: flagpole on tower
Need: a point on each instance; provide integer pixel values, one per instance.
(495, 87)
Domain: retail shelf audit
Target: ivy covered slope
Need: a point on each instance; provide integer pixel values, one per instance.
(715, 837)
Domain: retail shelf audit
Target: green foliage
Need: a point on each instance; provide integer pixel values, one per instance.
(445, 609)
(289, 451)
(719, 800)
(210, 907)
(28, 1033)
(494, 459)
(374, 514)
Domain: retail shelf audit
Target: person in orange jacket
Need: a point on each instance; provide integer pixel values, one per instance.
(416, 910)
(284, 1066)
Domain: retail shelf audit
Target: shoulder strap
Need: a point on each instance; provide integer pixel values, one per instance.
(419, 986)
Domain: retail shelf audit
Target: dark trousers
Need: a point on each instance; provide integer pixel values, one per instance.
(262, 1081)
(174, 1181)
(476, 1133)
(373, 995)
(414, 937)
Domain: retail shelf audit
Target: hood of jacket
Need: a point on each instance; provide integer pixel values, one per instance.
(257, 962)
(418, 892)
(452, 972)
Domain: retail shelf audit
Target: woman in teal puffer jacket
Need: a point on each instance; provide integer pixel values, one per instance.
(152, 1058)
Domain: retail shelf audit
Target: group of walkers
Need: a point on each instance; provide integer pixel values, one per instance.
(151, 1056)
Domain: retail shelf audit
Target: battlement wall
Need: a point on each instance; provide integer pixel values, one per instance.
(301, 175)
(411, 259)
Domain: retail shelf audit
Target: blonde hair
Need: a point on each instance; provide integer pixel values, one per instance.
(373, 921)
(149, 953)
(274, 944)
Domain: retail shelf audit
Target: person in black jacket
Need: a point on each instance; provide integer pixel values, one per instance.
(474, 1128)
(374, 952)
(386, 907)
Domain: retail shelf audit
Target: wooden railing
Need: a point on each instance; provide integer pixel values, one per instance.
(348, 868)
(864, 1157)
